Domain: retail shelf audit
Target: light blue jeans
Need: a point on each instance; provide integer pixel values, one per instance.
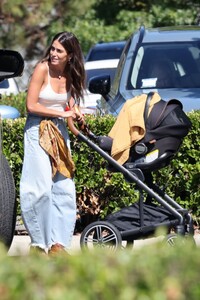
(48, 205)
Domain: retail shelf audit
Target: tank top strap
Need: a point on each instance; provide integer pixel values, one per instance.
(48, 72)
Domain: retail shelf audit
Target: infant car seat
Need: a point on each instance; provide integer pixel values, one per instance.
(166, 126)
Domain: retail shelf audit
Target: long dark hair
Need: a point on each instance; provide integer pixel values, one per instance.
(75, 68)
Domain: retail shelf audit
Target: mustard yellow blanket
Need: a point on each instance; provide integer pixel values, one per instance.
(129, 127)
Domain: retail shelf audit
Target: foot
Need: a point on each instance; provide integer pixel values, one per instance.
(56, 249)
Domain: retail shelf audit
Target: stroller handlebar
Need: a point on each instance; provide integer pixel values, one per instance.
(82, 126)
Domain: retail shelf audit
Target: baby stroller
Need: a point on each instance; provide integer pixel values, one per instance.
(167, 125)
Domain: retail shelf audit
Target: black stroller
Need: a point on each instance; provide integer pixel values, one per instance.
(167, 124)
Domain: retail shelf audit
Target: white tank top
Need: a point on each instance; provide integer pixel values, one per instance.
(51, 99)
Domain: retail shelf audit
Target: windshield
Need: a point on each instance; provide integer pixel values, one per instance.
(172, 65)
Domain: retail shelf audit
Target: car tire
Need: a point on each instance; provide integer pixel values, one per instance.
(8, 202)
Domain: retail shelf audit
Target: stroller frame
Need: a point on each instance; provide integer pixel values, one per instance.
(104, 234)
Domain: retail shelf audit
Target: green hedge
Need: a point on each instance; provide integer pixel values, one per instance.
(153, 272)
(100, 191)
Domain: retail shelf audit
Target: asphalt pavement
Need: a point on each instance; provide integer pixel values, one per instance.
(21, 244)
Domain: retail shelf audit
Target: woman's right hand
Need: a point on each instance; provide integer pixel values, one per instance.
(69, 113)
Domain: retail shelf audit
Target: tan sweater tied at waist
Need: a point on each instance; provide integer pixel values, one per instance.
(53, 143)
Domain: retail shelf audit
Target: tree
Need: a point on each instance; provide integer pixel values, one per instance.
(24, 23)
(173, 7)
(30, 24)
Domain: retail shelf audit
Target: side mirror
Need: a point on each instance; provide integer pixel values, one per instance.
(100, 85)
(11, 64)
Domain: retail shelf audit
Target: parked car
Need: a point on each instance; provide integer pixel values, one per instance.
(102, 51)
(9, 112)
(95, 68)
(11, 65)
(7, 87)
(165, 60)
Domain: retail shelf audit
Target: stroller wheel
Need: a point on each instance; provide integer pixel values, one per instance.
(101, 234)
(171, 240)
(174, 239)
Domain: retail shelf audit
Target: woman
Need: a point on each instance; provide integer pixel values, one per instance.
(48, 200)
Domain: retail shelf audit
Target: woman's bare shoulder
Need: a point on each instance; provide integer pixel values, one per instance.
(40, 70)
(41, 66)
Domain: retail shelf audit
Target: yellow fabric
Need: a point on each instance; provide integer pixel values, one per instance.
(54, 144)
(129, 127)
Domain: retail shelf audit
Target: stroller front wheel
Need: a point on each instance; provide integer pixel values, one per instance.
(101, 234)
(174, 239)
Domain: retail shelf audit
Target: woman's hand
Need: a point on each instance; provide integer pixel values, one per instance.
(69, 113)
(74, 113)
(79, 117)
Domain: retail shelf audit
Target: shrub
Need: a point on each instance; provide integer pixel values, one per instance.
(152, 272)
(99, 191)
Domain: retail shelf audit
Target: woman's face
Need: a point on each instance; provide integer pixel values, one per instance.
(58, 54)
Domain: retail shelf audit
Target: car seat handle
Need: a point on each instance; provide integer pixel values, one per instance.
(147, 104)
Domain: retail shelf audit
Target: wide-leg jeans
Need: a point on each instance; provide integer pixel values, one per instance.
(48, 205)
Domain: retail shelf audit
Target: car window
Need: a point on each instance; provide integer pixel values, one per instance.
(171, 65)
(105, 54)
(105, 51)
(119, 70)
(4, 84)
(9, 86)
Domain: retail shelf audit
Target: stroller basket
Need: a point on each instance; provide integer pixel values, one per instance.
(166, 126)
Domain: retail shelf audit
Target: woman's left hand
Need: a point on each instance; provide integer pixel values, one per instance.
(80, 117)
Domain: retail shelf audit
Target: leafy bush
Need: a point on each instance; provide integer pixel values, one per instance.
(13, 147)
(152, 272)
(100, 192)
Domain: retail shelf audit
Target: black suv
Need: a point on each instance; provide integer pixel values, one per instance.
(109, 50)
(165, 60)
(11, 65)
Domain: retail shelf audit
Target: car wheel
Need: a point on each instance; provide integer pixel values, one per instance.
(7, 203)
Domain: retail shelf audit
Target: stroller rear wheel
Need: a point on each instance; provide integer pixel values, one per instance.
(101, 234)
